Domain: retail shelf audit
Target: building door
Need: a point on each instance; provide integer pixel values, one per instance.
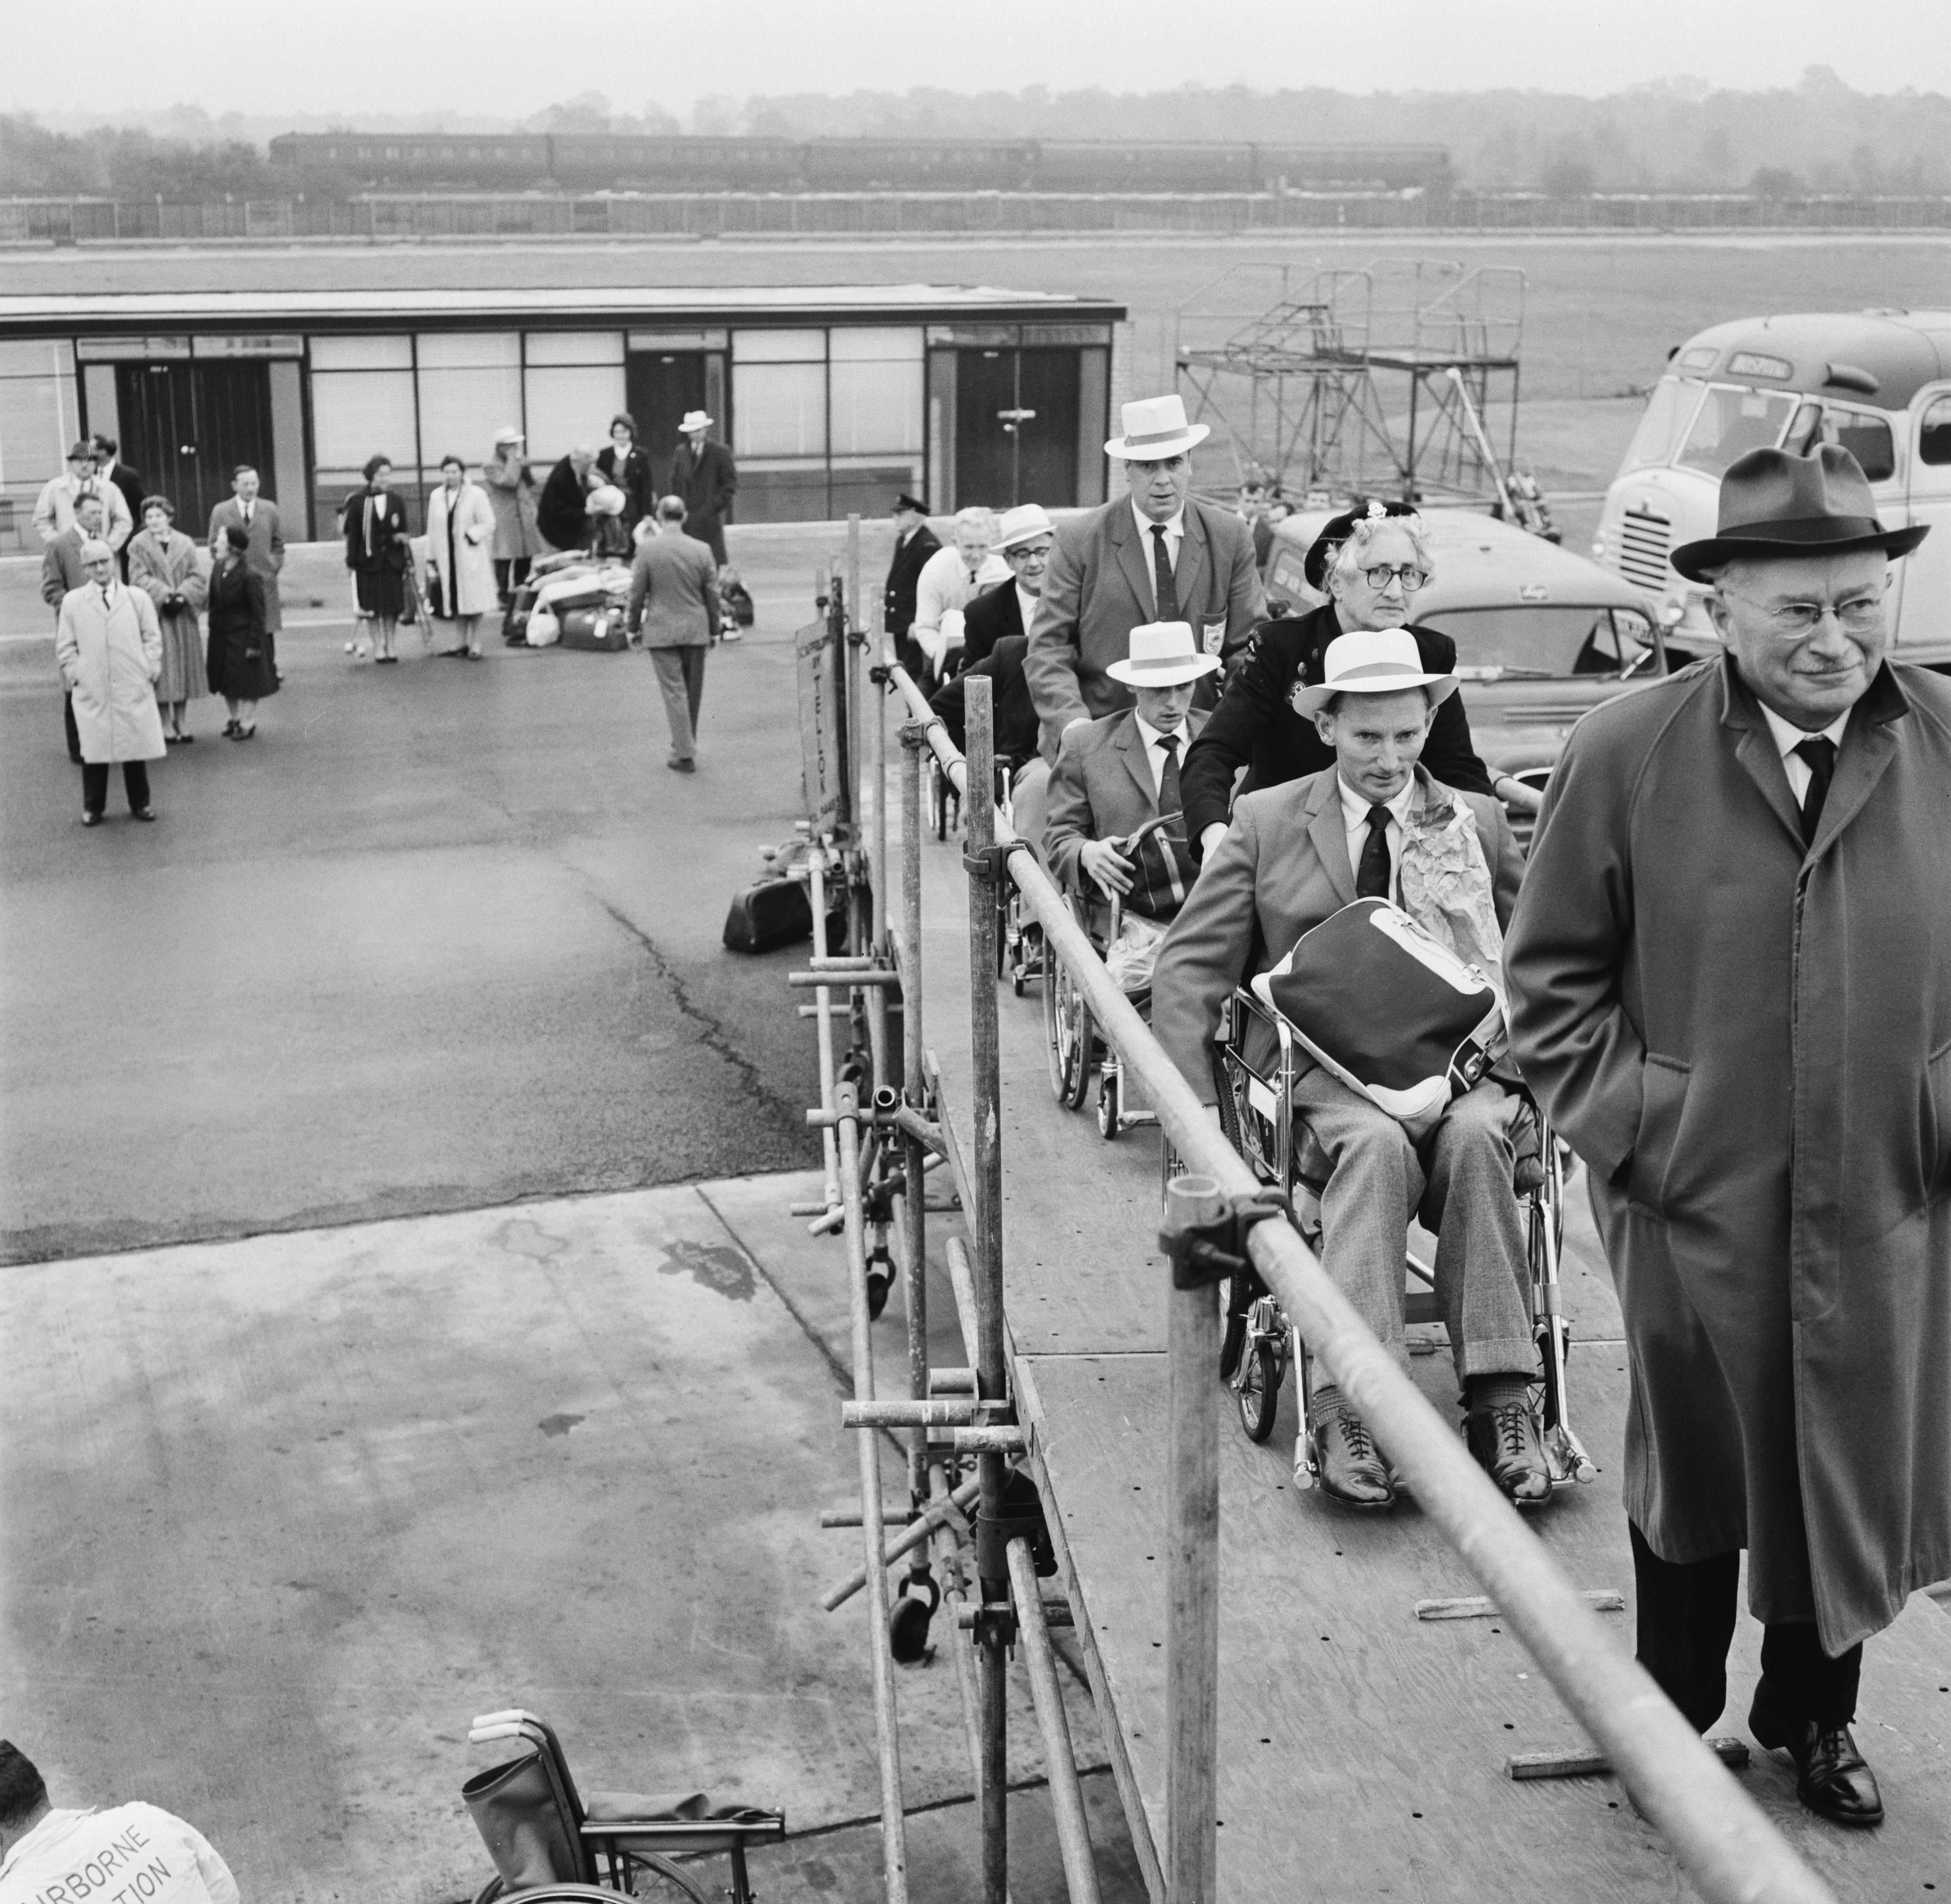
(186, 426)
(1016, 427)
(659, 386)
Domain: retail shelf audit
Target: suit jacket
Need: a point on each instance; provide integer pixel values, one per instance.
(634, 479)
(129, 482)
(995, 613)
(266, 555)
(561, 511)
(1101, 789)
(706, 479)
(677, 575)
(1098, 588)
(1014, 712)
(903, 572)
(61, 572)
(1282, 869)
(1255, 725)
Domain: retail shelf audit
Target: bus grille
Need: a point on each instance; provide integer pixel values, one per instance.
(1644, 538)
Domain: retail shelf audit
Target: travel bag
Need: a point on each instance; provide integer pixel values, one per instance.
(777, 911)
(601, 629)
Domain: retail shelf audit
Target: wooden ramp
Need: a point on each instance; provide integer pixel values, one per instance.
(1362, 1750)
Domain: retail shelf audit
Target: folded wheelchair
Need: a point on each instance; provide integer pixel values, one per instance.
(549, 1845)
(1257, 1111)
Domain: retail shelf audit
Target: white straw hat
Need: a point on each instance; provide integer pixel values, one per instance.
(695, 419)
(1156, 428)
(1379, 661)
(1163, 654)
(1022, 524)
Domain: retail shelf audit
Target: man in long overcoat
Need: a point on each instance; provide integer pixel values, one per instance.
(257, 516)
(1727, 973)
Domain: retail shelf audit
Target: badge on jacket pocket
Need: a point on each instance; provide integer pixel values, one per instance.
(1215, 637)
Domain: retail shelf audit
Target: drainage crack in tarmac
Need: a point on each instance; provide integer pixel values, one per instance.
(713, 1039)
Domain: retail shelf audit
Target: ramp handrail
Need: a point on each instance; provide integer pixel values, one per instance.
(1730, 1850)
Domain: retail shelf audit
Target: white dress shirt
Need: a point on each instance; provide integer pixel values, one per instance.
(1155, 753)
(1026, 606)
(1175, 534)
(1788, 738)
(1355, 812)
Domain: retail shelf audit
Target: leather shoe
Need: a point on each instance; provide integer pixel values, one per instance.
(1832, 1778)
(1505, 1440)
(1350, 1466)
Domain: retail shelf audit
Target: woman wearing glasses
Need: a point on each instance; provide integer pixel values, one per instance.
(1371, 560)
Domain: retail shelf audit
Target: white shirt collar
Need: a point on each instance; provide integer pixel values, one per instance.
(1027, 603)
(1151, 736)
(1174, 526)
(1788, 738)
(1355, 807)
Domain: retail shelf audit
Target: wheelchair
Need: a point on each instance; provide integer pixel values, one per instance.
(621, 1844)
(1076, 1048)
(1019, 947)
(1255, 1110)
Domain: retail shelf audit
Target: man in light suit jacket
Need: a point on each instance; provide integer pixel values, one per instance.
(257, 516)
(1295, 855)
(1116, 775)
(1153, 554)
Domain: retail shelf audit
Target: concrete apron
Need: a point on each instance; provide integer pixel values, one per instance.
(278, 1516)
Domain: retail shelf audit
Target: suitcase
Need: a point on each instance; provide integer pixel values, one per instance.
(599, 628)
(776, 912)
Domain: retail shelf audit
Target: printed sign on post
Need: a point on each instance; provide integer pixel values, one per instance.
(821, 769)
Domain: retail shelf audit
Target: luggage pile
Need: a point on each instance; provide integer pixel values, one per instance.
(582, 604)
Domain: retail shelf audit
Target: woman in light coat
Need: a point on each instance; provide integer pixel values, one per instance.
(460, 540)
(165, 565)
(511, 493)
(109, 648)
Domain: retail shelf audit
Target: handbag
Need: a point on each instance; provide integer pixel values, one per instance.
(1398, 1017)
(524, 1821)
(1162, 871)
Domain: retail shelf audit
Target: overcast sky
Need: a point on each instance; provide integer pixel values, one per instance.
(514, 57)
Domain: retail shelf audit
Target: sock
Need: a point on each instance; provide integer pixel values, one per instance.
(1496, 1391)
(1324, 1401)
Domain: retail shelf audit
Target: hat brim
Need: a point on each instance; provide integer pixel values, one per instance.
(1175, 444)
(1693, 559)
(1174, 674)
(1438, 687)
(1026, 535)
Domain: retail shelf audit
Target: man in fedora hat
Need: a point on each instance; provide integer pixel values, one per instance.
(1116, 775)
(1155, 554)
(704, 474)
(1023, 539)
(914, 543)
(1727, 973)
(1294, 855)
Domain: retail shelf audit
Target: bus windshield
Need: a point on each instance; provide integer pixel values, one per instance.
(1729, 422)
(1667, 414)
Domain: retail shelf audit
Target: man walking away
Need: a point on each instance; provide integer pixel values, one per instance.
(138, 1848)
(705, 479)
(675, 580)
(63, 571)
(1727, 973)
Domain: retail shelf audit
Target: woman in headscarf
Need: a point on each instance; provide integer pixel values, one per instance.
(377, 552)
(460, 533)
(239, 660)
(163, 563)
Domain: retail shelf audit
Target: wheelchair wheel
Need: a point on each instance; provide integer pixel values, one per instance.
(1066, 1020)
(1108, 1106)
(655, 1880)
(1259, 1397)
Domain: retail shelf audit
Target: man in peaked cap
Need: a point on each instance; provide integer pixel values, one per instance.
(1727, 987)
(914, 543)
(1153, 554)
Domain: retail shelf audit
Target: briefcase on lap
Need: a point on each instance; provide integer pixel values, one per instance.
(1396, 1016)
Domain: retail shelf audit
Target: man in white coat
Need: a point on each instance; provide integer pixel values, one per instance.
(109, 645)
(136, 1851)
(54, 510)
(950, 580)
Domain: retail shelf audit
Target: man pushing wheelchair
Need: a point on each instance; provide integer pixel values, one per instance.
(1376, 827)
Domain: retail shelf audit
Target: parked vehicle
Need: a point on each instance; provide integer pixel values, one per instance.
(1541, 634)
(1877, 381)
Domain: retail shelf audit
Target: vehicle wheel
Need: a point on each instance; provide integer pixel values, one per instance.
(1260, 1390)
(1108, 1125)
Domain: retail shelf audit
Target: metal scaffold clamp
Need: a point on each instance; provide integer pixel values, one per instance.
(990, 864)
(1208, 1251)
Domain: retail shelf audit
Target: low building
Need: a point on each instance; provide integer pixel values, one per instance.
(833, 398)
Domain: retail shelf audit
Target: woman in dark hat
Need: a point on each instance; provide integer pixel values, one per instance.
(239, 664)
(377, 552)
(1371, 560)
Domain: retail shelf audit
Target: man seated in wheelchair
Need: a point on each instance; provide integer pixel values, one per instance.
(1027, 772)
(1376, 826)
(1116, 831)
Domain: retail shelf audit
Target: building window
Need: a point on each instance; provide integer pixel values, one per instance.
(877, 385)
(470, 385)
(779, 393)
(572, 384)
(362, 405)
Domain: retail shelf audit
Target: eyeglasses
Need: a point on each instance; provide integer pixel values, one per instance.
(1407, 573)
(1859, 615)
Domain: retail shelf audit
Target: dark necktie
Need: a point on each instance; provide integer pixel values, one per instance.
(1168, 596)
(1371, 881)
(1819, 755)
(1169, 799)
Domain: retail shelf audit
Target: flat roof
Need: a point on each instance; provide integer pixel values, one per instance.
(332, 309)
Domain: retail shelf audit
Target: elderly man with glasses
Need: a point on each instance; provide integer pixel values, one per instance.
(1728, 986)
